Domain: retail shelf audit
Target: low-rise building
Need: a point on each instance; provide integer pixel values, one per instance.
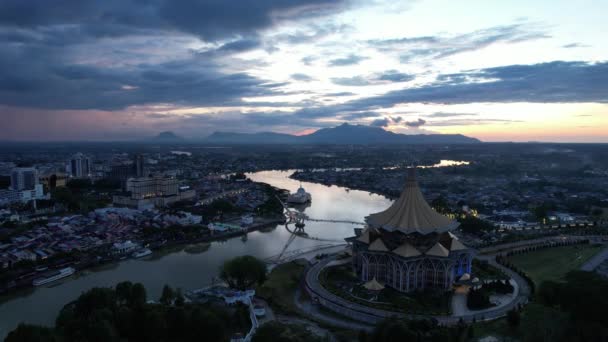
(53, 180)
(125, 247)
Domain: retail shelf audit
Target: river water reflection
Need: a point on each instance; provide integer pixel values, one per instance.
(193, 270)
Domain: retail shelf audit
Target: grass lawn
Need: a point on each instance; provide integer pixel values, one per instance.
(553, 263)
(484, 271)
(341, 281)
(531, 315)
(280, 286)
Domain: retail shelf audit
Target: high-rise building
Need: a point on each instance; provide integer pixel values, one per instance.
(149, 192)
(138, 163)
(80, 166)
(121, 172)
(24, 187)
(141, 188)
(24, 178)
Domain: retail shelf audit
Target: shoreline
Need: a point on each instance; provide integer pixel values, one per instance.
(86, 264)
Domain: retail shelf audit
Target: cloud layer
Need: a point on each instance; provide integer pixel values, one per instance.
(287, 65)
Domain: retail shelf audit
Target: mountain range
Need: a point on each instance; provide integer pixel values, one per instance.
(344, 134)
(167, 136)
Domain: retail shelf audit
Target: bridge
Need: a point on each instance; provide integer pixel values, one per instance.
(284, 257)
(300, 217)
(334, 221)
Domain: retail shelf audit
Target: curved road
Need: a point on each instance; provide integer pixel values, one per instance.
(368, 315)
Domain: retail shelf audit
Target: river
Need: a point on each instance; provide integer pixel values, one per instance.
(185, 270)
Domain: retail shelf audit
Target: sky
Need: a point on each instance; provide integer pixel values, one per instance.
(129, 69)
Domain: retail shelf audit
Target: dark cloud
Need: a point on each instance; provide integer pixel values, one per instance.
(355, 81)
(387, 120)
(308, 60)
(416, 123)
(342, 93)
(301, 77)
(240, 45)
(554, 82)
(50, 51)
(30, 81)
(574, 45)
(384, 77)
(449, 115)
(411, 48)
(468, 122)
(158, 116)
(380, 122)
(395, 76)
(359, 115)
(545, 82)
(312, 34)
(351, 59)
(210, 19)
(404, 41)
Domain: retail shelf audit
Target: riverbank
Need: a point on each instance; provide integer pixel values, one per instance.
(101, 257)
(180, 269)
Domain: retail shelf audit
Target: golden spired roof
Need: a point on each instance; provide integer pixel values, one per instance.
(411, 213)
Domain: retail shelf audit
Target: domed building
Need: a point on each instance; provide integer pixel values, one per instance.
(409, 246)
(299, 197)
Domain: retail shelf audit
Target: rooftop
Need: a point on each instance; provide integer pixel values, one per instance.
(411, 213)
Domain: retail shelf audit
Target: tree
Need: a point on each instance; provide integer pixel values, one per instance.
(441, 205)
(138, 295)
(279, 332)
(123, 291)
(243, 272)
(541, 212)
(478, 299)
(513, 318)
(393, 329)
(101, 314)
(179, 298)
(473, 225)
(31, 333)
(167, 296)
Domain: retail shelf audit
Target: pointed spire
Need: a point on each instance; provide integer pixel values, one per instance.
(411, 177)
(411, 173)
(411, 213)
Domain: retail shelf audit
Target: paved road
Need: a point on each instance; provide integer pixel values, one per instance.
(371, 315)
(533, 242)
(595, 261)
(316, 311)
(460, 308)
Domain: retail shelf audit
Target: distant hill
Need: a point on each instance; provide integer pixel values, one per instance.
(344, 134)
(167, 136)
(253, 138)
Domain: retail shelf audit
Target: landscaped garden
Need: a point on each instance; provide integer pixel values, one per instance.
(484, 271)
(279, 288)
(479, 299)
(553, 263)
(341, 281)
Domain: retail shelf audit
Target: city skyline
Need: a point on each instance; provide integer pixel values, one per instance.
(124, 70)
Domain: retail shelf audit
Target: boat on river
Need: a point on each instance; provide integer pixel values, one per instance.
(142, 253)
(60, 274)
